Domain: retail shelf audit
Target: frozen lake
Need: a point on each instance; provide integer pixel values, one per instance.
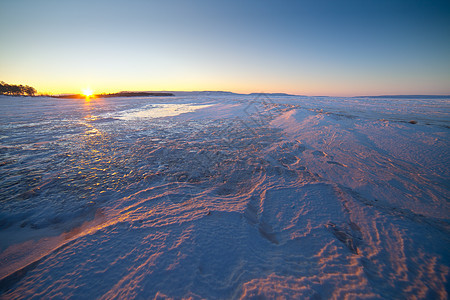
(224, 197)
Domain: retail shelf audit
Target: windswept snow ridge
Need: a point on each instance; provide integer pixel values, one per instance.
(229, 197)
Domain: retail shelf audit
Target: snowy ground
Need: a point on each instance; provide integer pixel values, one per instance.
(224, 197)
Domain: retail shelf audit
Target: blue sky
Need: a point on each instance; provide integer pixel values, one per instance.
(319, 47)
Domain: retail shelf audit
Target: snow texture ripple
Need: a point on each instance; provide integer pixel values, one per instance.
(223, 197)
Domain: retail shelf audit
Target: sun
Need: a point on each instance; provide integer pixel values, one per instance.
(87, 92)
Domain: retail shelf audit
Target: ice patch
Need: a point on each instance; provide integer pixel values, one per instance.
(161, 111)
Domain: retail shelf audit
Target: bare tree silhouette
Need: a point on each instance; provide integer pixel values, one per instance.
(16, 90)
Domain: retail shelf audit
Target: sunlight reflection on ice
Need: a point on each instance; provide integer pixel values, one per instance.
(162, 110)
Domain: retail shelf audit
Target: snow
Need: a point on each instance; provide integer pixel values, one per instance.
(224, 196)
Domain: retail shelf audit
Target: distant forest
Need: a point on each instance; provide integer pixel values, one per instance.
(119, 94)
(16, 90)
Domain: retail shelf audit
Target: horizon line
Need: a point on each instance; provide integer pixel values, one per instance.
(238, 93)
(251, 93)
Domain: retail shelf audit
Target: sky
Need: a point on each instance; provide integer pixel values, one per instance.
(316, 47)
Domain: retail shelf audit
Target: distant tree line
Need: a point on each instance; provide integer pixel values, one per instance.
(135, 94)
(119, 94)
(16, 90)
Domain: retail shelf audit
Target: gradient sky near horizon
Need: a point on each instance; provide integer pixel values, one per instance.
(320, 47)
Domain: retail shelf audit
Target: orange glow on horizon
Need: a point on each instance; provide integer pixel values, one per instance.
(307, 88)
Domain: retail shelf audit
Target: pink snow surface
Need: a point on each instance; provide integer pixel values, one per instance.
(285, 198)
